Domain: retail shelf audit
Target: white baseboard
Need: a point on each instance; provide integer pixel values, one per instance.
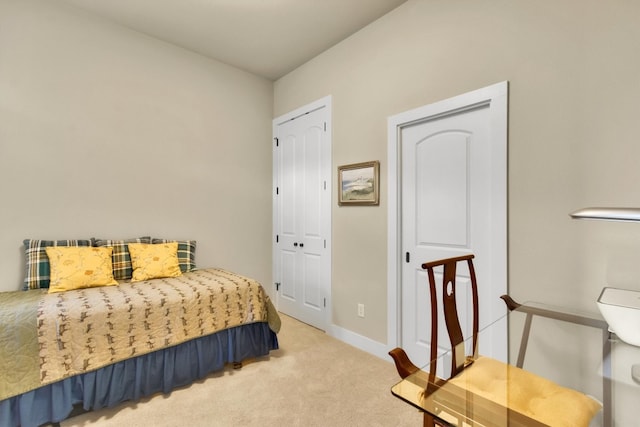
(360, 341)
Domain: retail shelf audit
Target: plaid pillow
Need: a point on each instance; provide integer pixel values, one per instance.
(38, 270)
(120, 257)
(186, 253)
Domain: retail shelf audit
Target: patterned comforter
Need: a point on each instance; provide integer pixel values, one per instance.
(83, 330)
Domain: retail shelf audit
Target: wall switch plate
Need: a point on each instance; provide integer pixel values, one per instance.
(360, 310)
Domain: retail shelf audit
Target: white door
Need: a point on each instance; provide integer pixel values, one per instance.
(452, 202)
(302, 215)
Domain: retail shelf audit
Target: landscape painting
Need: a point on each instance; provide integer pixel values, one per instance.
(358, 184)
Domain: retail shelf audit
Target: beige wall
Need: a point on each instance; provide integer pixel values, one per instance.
(573, 76)
(105, 132)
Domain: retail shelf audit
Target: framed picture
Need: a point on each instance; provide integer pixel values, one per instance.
(358, 184)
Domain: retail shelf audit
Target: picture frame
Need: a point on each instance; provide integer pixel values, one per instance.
(358, 184)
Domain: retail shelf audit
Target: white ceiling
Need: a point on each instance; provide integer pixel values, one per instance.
(265, 37)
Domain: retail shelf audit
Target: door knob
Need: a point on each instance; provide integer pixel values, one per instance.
(295, 244)
(301, 245)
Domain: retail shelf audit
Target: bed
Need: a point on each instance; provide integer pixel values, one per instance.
(95, 347)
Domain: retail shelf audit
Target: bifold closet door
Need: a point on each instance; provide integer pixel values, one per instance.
(301, 235)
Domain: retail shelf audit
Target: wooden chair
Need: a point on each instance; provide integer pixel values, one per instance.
(459, 359)
(503, 376)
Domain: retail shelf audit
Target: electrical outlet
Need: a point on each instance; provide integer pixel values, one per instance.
(360, 310)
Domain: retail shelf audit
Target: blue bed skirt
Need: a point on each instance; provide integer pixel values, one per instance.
(132, 379)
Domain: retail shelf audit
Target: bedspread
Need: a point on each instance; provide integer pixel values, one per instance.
(91, 328)
(73, 332)
(19, 367)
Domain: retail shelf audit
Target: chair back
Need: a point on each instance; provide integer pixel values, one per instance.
(448, 291)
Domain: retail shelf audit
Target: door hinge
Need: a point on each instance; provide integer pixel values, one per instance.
(325, 185)
(277, 190)
(277, 286)
(277, 238)
(407, 257)
(277, 142)
(325, 126)
(325, 302)
(325, 243)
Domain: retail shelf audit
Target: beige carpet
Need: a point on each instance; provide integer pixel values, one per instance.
(312, 380)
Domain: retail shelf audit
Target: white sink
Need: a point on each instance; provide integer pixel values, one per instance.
(621, 309)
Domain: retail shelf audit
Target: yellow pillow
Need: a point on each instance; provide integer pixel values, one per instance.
(152, 261)
(79, 267)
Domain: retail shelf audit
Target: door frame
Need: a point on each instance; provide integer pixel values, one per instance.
(322, 103)
(496, 98)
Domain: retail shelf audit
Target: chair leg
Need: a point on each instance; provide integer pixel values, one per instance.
(429, 421)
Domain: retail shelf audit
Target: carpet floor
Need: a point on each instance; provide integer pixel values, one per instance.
(312, 380)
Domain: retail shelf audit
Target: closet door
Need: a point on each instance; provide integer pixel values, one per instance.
(302, 217)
